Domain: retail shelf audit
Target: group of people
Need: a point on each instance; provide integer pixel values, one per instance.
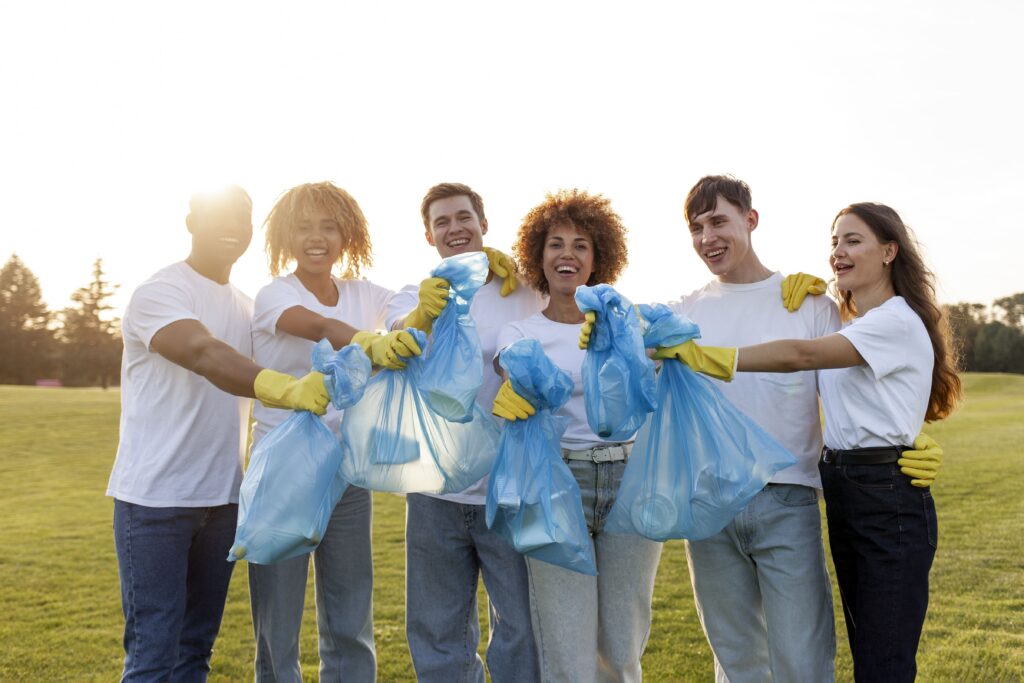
(197, 350)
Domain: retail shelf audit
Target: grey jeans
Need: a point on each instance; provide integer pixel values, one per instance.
(595, 628)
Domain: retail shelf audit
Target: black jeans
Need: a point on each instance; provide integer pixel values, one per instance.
(883, 533)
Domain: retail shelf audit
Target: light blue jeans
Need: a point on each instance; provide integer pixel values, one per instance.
(448, 548)
(595, 628)
(344, 601)
(763, 594)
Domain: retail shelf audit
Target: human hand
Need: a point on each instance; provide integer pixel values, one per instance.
(797, 286)
(279, 390)
(510, 405)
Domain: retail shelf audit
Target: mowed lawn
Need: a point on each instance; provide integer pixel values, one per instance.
(59, 587)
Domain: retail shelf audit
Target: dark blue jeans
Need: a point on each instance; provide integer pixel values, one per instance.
(174, 582)
(883, 533)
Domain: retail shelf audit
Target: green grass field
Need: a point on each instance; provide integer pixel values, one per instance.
(59, 587)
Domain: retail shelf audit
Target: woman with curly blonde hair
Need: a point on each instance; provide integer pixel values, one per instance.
(319, 226)
(587, 628)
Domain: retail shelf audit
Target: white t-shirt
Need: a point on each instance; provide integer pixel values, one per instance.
(361, 304)
(182, 439)
(490, 311)
(560, 342)
(784, 404)
(882, 403)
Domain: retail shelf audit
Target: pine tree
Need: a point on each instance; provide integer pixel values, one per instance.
(26, 343)
(91, 346)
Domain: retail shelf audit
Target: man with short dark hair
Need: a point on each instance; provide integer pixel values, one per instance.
(186, 381)
(761, 584)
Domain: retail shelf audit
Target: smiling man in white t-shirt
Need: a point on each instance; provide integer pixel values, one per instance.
(761, 584)
(448, 544)
(186, 381)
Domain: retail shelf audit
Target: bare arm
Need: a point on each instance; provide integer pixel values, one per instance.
(189, 344)
(299, 321)
(793, 355)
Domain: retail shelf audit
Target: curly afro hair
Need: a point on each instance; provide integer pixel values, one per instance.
(591, 214)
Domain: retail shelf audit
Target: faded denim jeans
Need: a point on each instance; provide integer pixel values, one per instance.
(763, 593)
(448, 548)
(595, 628)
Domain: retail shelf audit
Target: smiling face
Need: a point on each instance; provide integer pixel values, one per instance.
(221, 230)
(315, 242)
(859, 260)
(721, 237)
(454, 227)
(568, 259)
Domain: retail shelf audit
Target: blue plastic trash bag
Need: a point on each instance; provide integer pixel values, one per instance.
(698, 460)
(618, 378)
(293, 480)
(393, 441)
(533, 501)
(453, 363)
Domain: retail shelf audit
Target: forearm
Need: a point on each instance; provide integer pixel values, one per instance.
(301, 322)
(224, 367)
(335, 331)
(784, 355)
(794, 355)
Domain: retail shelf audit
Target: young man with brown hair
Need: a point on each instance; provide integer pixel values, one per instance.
(448, 544)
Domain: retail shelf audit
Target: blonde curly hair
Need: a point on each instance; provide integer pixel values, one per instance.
(296, 203)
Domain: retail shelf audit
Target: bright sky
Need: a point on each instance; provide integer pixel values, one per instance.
(111, 113)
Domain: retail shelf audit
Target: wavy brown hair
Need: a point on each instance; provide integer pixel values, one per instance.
(591, 214)
(912, 280)
(296, 203)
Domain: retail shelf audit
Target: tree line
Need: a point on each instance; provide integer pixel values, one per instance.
(991, 338)
(78, 347)
(74, 346)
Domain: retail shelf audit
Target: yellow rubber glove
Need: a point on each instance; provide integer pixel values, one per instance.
(714, 361)
(387, 350)
(589, 320)
(797, 286)
(510, 405)
(502, 265)
(278, 390)
(922, 463)
(433, 299)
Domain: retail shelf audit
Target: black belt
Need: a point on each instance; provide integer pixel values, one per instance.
(879, 455)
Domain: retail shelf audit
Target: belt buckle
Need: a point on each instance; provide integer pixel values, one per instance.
(600, 454)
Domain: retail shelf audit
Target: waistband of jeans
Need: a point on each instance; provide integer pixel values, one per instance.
(877, 455)
(612, 452)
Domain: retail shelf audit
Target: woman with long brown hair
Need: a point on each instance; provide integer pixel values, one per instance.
(889, 369)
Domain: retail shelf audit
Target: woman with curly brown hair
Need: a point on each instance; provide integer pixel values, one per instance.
(888, 370)
(318, 226)
(587, 628)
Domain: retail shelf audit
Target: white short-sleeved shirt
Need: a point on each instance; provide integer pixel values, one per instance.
(490, 311)
(361, 304)
(884, 401)
(560, 342)
(784, 404)
(182, 439)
